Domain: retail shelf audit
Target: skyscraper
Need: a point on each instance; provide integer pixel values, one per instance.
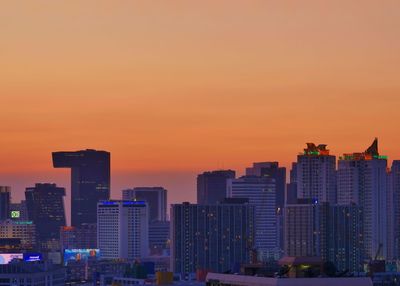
(156, 198)
(316, 174)
(5, 200)
(122, 229)
(45, 204)
(362, 180)
(211, 186)
(291, 194)
(90, 181)
(260, 191)
(211, 237)
(394, 185)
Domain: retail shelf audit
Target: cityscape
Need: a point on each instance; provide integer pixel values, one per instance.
(200, 143)
(333, 221)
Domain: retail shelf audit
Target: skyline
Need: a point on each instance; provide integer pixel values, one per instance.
(172, 90)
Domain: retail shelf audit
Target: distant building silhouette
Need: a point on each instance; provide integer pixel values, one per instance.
(5, 201)
(90, 182)
(45, 204)
(156, 198)
(394, 215)
(211, 186)
(291, 193)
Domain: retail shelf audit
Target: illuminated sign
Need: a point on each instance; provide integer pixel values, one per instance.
(15, 214)
(6, 258)
(30, 257)
(80, 254)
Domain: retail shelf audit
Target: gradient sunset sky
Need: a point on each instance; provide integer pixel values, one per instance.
(174, 88)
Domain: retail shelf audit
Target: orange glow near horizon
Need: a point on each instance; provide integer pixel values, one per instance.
(178, 87)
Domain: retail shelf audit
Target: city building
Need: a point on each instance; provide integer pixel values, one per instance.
(159, 237)
(273, 171)
(31, 274)
(306, 229)
(211, 186)
(316, 174)
(23, 230)
(211, 237)
(45, 205)
(394, 187)
(156, 198)
(90, 181)
(291, 194)
(79, 237)
(122, 229)
(333, 233)
(363, 180)
(18, 211)
(260, 191)
(5, 200)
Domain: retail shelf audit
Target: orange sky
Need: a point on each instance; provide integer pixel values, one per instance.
(173, 88)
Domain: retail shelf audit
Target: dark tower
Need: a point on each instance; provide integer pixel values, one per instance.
(90, 182)
(211, 186)
(5, 200)
(45, 205)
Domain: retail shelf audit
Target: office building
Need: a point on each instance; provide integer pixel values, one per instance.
(32, 274)
(394, 210)
(159, 237)
(211, 186)
(291, 193)
(82, 237)
(211, 237)
(260, 191)
(155, 197)
(18, 211)
(90, 181)
(316, 174)
(122, 229)
(45, 204)
(23, 230)
(362, 180)
(306, 229)
(5, 200)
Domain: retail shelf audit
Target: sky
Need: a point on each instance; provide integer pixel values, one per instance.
(174, 88)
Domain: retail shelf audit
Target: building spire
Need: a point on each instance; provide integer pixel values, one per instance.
(373, 149)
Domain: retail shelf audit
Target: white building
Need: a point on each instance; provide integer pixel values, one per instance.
(122, 229)
(261, 192)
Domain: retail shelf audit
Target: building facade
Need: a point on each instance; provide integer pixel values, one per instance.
(260, 191)
(211, 186)
(155, 197)
(90, 181)
(5, 201)
(211, 237)
(23, 230)
(45, 204)
(122, 229)
(316, 174)
(82, 237)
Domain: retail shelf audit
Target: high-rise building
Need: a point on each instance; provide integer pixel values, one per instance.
(306, 228)
(82, 237)
(394, 186)
(159, 237)
(362, 180)
(331, 232)
(23, 230)
(345, 237)
(5, 200)
(45, 204)
(18, 211)
(316, 174)
(90, 181)
(211, 237)
(211, 186)
(273, 171)
(260, 191)
(155, 197)
(122, 229)
(291, 195)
